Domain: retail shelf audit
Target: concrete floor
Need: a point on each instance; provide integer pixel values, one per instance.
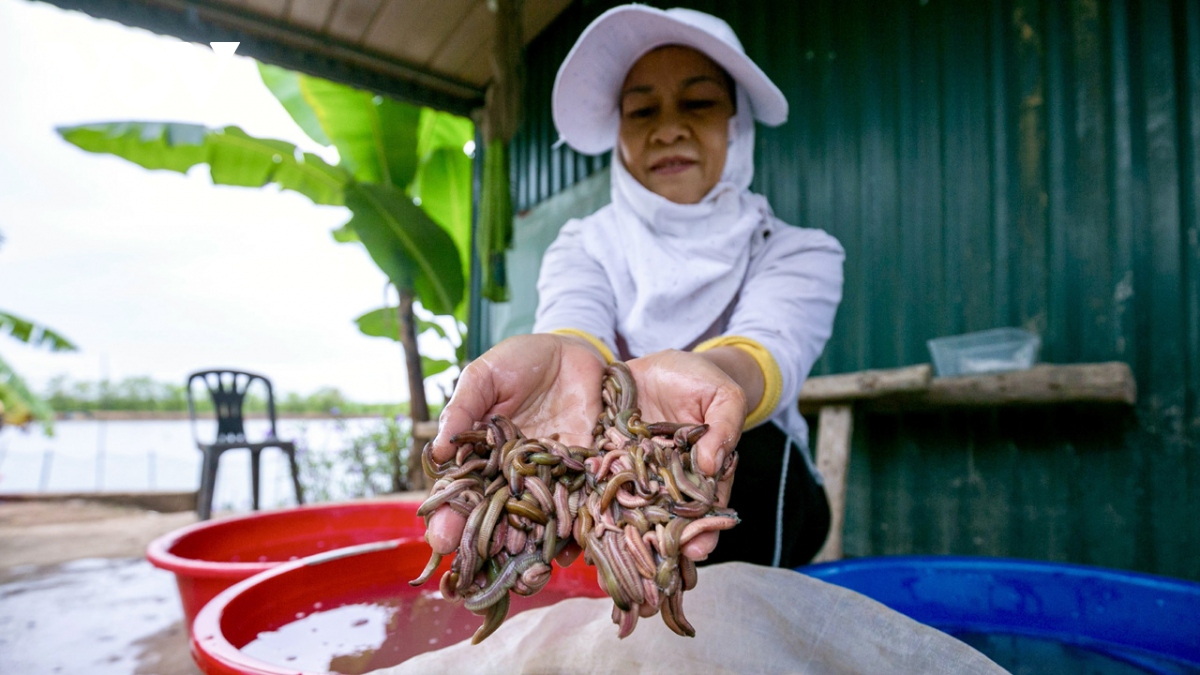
(76, 595)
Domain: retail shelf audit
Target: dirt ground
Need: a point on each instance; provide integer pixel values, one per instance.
(49, 533)
(77, 595)
(38, 538)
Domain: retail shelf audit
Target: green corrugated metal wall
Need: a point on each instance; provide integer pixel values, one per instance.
(1013, 162)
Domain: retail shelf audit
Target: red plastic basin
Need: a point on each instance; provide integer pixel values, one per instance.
(282, 622)
(211, 556)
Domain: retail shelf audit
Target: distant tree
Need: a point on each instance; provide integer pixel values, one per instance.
(145, 394)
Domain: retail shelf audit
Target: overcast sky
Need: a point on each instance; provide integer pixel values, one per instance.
(157, 273)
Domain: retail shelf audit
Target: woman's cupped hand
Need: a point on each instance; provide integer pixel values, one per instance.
(550, 384)
(544, 383)
(685, 387)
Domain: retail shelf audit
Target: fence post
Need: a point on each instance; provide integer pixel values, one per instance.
(100, 455)
(47, 460)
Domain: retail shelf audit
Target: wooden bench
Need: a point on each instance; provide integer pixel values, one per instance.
(834, 398)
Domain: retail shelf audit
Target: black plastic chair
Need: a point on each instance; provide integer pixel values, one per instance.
(227, 388)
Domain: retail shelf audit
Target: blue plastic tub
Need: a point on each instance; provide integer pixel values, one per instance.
(1037, 617)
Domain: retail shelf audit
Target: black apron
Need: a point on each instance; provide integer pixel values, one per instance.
(755, 497)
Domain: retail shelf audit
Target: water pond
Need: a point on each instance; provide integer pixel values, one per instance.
(118, 456)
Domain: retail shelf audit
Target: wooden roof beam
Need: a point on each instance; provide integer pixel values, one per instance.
(274, 41)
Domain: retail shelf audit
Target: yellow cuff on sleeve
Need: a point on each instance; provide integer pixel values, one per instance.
(591, 339)
(772, 377)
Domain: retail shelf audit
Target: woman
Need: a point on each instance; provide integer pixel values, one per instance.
(718, 308)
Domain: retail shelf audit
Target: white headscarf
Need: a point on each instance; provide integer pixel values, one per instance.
(683, 264)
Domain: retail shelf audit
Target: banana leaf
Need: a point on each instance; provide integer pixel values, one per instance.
(233, 156)
(34, 334)
(411, 249)
(388, 142)
(431, 367)
(287, 87)
(306, 101)
(442, 130)
(344, 234)
(20, 403)
(382, 322)
(423, 325)
(443, 185)
(376, 137)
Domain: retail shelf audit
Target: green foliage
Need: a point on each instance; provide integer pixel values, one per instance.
(33, 334)
(376, 137)
(407, 245)
(423, 325)
(19, 405)
(141, 394)
(443, 189)
(372, 462)
(233, 157)
(442, 130)
(318, 473)
(144, 394)
(380, 322)
(433, 367)
(400, 151)
(287, 87)
(344, 234)
(150, 145)
(383, 322)
(379, 143)
(402, 172)
(325, 399)
(376, 459)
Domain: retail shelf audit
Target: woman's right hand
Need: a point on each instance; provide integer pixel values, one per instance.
(544, 383)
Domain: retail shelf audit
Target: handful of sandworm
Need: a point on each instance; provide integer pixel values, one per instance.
(631, 502)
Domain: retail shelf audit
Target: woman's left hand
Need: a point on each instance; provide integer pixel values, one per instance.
(685, 387)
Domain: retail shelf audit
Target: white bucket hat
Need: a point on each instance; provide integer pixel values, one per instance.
(587, 89)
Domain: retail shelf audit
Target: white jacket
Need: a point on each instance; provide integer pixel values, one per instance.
(786, 302)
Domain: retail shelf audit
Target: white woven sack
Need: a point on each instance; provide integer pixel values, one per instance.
(748, 619)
